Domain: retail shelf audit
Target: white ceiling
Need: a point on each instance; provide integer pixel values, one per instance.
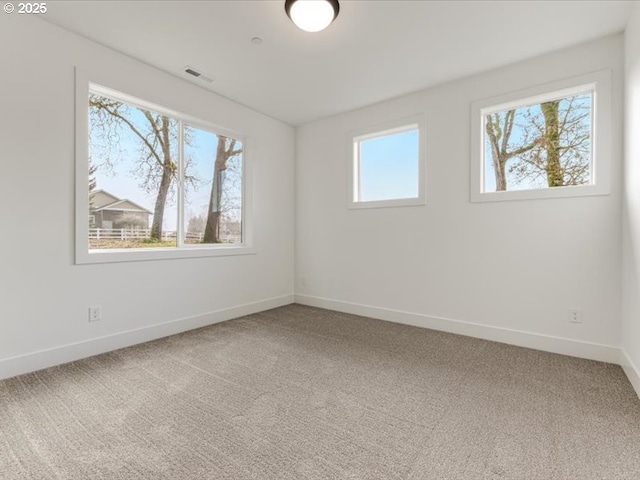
(375, 50)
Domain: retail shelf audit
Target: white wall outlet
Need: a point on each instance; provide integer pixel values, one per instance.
(303, 281)
(95, 313)
(575, 315)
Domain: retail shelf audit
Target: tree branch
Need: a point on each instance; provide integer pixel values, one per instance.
(133, 128)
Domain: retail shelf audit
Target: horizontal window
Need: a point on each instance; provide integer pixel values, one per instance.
(542, 145)
(156, 182)
(387, 167)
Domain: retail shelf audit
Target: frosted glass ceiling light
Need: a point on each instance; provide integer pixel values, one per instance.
(312, 15)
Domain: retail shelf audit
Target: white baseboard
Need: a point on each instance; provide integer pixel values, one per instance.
(10, 367)
(547, 343)
(30, 362)
(631, 370)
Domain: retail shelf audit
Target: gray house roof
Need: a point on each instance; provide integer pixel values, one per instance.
(108, 201)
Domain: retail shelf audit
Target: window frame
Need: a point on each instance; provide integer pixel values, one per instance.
(83, 255)
(416, 122)
(599, 83)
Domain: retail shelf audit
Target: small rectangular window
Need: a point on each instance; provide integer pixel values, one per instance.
(387, 167)
(541, 146)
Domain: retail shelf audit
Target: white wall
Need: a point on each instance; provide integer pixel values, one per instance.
(491, 270)
(631, 204)
(505, 268)
(43, 295)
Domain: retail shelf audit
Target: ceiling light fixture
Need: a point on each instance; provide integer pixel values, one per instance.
(312, 15)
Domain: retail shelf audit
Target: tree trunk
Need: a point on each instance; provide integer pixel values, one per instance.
(212, 228)
(168, 172)
(498, 157)
(498, 168)
(552, 143)
(161, 199)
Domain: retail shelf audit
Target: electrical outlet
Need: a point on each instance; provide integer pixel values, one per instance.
(575, 315)
(95, 313)
(303, 281)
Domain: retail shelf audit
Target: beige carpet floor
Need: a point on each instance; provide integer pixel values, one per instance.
(304, 393)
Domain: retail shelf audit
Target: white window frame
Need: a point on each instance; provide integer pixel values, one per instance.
(416, 122)
(84, 85)
(600, 169)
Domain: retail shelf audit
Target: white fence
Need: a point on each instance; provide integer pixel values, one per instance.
(131, 234)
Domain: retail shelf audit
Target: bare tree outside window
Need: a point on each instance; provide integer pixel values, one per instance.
(137, 171)
(544, 145)
(218, 198)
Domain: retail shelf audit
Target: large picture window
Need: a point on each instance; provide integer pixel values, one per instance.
(543, 145)
(157, 182)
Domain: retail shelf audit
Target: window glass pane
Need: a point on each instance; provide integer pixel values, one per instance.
(213, 188)
(132, 176)
(388, 167)
(539, 146)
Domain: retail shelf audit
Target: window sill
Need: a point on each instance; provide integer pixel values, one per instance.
(139, 255)
(400, 202)
(556, 192)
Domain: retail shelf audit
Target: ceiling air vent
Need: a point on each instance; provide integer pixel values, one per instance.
(199, 75)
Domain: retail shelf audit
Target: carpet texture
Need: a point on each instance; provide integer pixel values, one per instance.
(304, 393)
